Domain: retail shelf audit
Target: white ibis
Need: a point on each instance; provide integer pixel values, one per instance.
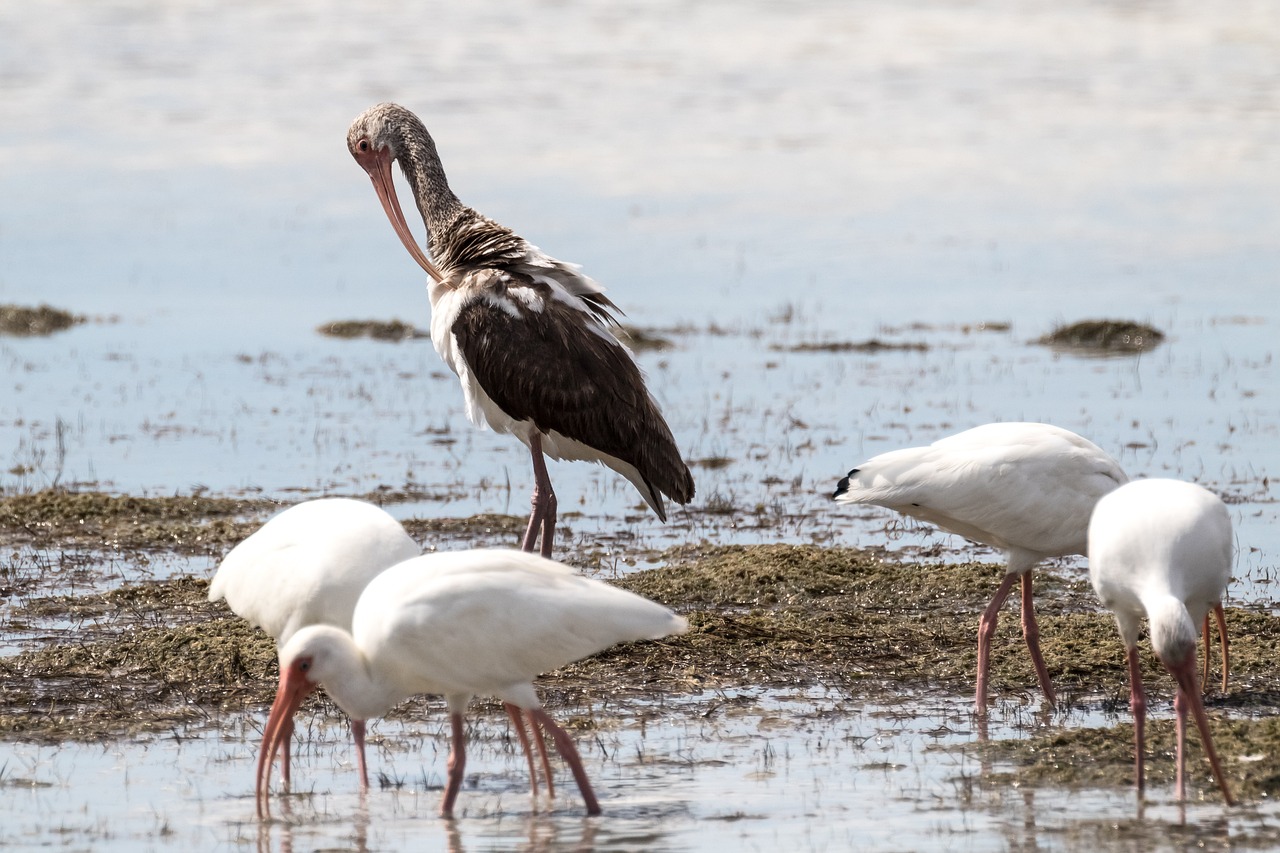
(1025, 488)
(530, 337)
(307, 566)
(465, 623)
(1162, 549)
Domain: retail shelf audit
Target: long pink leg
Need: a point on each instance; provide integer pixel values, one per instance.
(1180, 708)
(1221, 616)
(987, 630)
(1204, 678)
(1138, 704)
(530, 540)
(517, 721)
(540, 740)
(569, 752)
(357, 734)
(543, 517)
(1222, 636)
(1031, 632)
(548, 520)
(1188, 696)
(457, 764)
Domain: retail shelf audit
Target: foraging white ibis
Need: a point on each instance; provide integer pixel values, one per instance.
(464, 623)
(1162, 549)
(530, 337)
(307, 566)
(1025, 488)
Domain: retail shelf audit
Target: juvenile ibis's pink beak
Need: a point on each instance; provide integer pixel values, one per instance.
(378, 164)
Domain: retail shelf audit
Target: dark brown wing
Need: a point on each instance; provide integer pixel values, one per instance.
(549, 367)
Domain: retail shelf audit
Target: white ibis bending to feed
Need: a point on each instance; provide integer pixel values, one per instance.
(1162, 549)
(530, 338)
(308, 566)
(465, 623)
(1025, 488)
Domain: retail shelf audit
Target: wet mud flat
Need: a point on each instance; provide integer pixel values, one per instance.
(93, 661)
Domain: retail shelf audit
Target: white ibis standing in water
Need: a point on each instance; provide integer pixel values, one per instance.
(1162, 549)
(1025, 488)
(464, 623)
(530, 337)
(308, 566)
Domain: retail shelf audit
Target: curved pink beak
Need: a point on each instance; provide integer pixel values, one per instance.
(1185, 675)
(294, 689)
(378, 165)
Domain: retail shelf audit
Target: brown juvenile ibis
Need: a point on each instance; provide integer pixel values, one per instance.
(530, 337)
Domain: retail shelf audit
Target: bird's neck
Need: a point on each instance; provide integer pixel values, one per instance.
(437, 204)
(361, 691)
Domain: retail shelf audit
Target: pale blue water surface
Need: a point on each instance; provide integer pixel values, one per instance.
(742, 176)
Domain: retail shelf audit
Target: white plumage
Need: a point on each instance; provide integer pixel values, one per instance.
(1162, 549)
(307, 566)
(460, 624)
(1025, 488)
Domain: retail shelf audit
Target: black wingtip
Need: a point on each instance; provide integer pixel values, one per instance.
(843, 485)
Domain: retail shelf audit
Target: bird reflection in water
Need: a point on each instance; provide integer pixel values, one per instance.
(542, 833)
(356, 842)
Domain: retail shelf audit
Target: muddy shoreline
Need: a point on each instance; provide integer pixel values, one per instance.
(144, 657)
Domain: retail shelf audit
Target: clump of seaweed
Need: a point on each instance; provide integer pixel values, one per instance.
(1104, 337)
(21, 321)
(390, 330)
(485, 523)
(873, 345)
(645, 340)
(782, 614)
(146, 679)
(189, 524)
(1096, 757)
(486, 530)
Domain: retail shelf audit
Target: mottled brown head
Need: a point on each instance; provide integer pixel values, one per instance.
(382, 127)
(381, 135)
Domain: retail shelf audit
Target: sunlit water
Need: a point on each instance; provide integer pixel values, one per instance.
(760, 771)
(743, 176)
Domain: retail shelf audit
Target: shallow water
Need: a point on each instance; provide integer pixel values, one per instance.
(805, 770)
(743, 176)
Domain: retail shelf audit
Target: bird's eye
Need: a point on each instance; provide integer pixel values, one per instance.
(363, 145)
(304, 666)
